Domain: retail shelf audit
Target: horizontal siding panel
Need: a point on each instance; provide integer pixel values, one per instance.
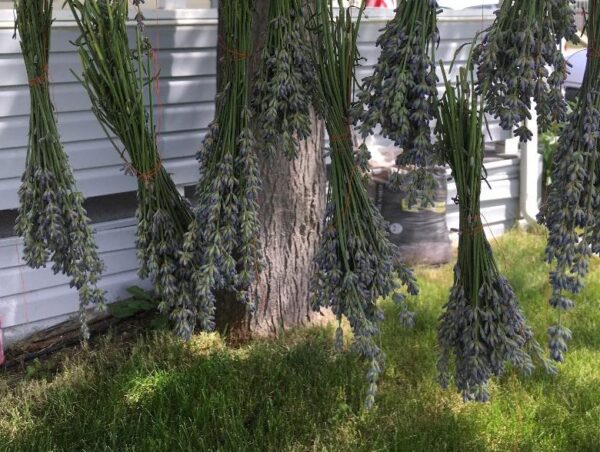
(25, 279)
(28, 295)
(499, 168)
(491, 213)
(492, 230)
(106, 181)
(183, 37)
(59, 301)
(446, 51)
(450, 28)
(11, 249)
(500, 206)
(163, 38)
(101, 153)
(81, 126)
(180, 63)
(501, 189)
(71, 97)
(502, 170)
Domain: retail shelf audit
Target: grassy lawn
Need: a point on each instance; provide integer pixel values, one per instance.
(294, 393)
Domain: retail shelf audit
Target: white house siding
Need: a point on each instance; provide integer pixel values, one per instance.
(186, 41)
(187, 58)
(499, 204)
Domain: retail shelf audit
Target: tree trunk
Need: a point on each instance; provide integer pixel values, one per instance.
(292, 209)
(292, 205)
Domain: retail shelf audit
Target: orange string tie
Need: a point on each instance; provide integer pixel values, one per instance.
(340, 137)
(473, 230)
(42, 78)
(147, 176)
(239, 55)
(476, 226)
(593, 52)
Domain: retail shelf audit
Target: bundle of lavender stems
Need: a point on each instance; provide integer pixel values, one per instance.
(283, 89)
(399, 100)
(52, 219)
(572, 209)
(222, 244)
(116, 79)
(520, 60)
(355, 263)
(483, 327)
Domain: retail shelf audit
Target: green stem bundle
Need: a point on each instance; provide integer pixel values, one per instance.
(116, 78)
(284, 84)
(482, 325)
(222, 243)
(355, 262)
(52, 219)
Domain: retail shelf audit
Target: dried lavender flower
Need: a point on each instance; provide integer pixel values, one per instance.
(401, 94)
(285, 81)
(482, 328)
(520, 60)
(572, 209)
(118, 102)
(355, 261)
(52, 220)
(224, 236)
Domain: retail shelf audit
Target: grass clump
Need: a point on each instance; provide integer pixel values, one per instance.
(296, 393)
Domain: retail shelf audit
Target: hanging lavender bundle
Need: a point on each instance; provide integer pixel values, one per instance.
(284, 84)
(222, 243)
(354, 266)
(400, 96)
(572, 210)
(482, 327)
(115, 78)
(520, 59)
(52, 219)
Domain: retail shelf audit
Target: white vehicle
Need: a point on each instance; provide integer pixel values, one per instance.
(578, 60)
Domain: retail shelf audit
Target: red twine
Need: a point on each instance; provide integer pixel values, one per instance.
(40, 78)
(593, 52)
(236, 53)
(341, 137)
(146, 176)
(475, 228)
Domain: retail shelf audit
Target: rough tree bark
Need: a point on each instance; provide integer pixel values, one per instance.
(292, 205)
(292, 208)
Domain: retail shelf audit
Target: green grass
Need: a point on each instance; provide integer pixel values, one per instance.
(295, 393)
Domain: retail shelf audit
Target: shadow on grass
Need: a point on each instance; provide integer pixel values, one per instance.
(273, 395)
(295, 393)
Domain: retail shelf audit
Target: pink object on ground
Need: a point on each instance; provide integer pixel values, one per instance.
(1, 346)
(381, 3)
